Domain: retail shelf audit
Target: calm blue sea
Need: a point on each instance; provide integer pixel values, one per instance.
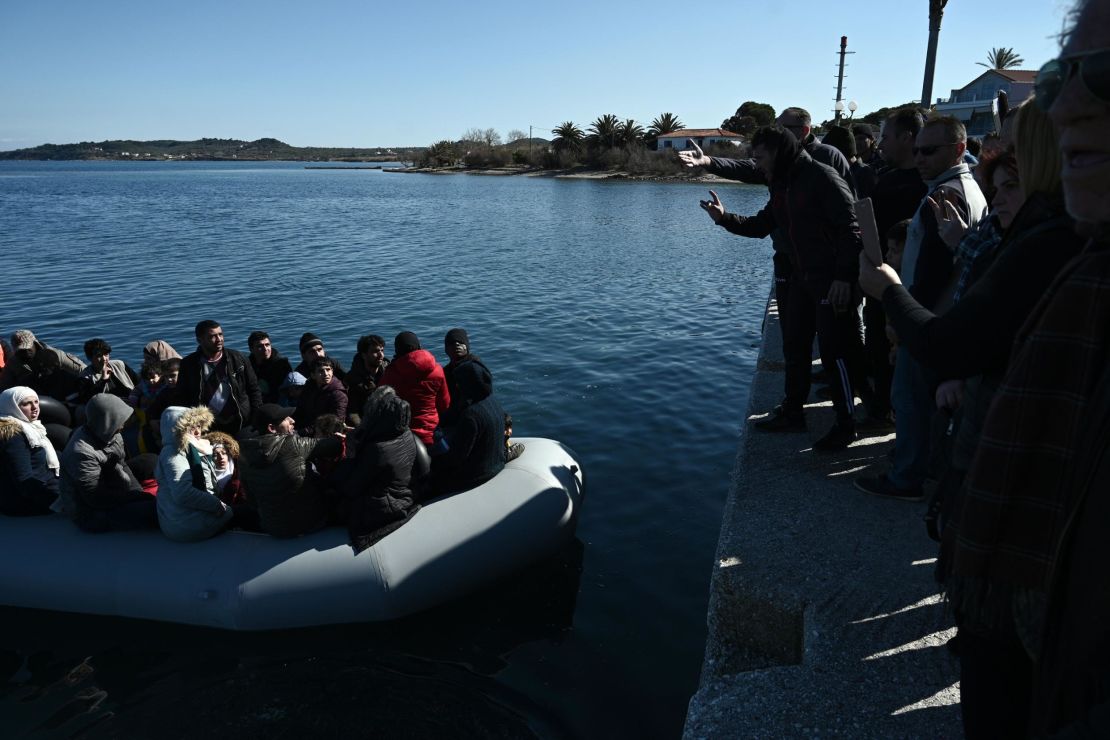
(615, 317)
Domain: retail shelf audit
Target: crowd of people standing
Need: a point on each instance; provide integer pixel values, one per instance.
(195, 445)
(983, 342)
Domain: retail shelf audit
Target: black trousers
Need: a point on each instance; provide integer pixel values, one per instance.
(809, 313)
(878, 356)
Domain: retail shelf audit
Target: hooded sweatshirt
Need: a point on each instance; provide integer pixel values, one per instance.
(188, 509)
(94, 474)
(419, 379)
(474, 436)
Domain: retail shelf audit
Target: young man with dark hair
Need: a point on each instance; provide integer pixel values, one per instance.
(366, 371)
(270, 367)
(220, 378)
(103, 374)
(812, 209)
(323, 394)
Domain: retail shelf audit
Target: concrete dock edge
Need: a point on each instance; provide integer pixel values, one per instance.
(824, 618)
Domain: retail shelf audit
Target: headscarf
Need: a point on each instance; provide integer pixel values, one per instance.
(159, 351)
(33, 431)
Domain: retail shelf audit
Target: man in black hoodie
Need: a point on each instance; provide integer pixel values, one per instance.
(813, 210)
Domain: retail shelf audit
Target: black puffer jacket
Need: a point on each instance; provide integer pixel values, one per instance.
(472, 436)
(388, 463)
(289, 496)
(814, 211)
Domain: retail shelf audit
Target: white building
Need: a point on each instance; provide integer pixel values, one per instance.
(973, 102)
(703, 137)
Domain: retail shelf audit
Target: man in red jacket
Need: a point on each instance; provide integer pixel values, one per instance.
(418, 379)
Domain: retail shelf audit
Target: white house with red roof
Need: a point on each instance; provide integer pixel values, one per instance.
(973, 102)
(703, 137)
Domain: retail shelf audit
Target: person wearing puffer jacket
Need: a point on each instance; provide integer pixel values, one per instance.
(389, 463)
(99, 490)
(418, 378)
(188, 508)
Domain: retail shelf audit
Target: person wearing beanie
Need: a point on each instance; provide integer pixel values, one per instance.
(418, 379)
(457, 346)
(311, 347)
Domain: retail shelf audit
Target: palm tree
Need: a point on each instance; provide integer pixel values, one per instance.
(567, 136)
(1002, 57)
(604, 132)
(630, 132)
(666, 123)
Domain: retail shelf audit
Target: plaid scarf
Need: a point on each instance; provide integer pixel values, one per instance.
(1003, 541)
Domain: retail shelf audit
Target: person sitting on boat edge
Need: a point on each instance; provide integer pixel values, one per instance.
(188, 508)
(367, 367)
(29, 464)
(470, 446)
(289, 495)
(270, 366)
(390, 462)
(323, 394)
(104, 374)
(220, 378)
(46, 370)
(456, 344)
(311, 347)
(419, 379)
(98, 490)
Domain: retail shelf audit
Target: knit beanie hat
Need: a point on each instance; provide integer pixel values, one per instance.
(309, 339)
(457, 336)
(405, 342)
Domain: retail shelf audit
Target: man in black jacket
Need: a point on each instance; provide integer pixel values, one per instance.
(813, 211)
(219, 378)
(270, 366)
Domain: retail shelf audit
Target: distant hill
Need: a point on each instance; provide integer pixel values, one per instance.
(208, 149)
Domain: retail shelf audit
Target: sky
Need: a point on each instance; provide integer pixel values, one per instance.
(350, 73)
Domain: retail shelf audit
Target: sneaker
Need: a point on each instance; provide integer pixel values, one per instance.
(515, 450)
(881, 486)
(837, 438)
(780, 421)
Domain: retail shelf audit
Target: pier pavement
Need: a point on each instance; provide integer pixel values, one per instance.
(824, 617)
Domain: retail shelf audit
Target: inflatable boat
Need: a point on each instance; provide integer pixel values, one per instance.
(246, 581)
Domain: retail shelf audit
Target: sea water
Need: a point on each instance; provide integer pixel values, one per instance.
(614, 316)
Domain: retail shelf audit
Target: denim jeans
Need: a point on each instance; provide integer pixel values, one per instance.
(912, 397)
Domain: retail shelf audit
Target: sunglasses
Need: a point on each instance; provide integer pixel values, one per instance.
(929, 151)
(1094, 72)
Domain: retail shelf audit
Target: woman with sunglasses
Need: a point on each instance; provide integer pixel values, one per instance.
(1072, 691)
(969, 345)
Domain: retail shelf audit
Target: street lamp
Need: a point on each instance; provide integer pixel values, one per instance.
(852, 107)
(839, 110)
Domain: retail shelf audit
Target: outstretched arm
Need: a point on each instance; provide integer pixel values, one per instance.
(743, 170)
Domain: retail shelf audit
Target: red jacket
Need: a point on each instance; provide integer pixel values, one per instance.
(418, 379)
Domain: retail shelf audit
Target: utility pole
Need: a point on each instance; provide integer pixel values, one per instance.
(839, 109)
(936, 13)
(529, 144)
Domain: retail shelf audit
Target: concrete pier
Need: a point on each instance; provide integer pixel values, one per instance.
(824, 617)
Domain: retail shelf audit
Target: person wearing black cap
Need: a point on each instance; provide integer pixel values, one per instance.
(288, 493)
(457, 346)
(418, 379)
(311, 347)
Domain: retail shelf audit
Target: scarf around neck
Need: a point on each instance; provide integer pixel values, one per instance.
(33, 431)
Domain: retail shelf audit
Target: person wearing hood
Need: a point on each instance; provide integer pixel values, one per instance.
(813, 210)
(104, 374)
(419, 379)
(188, 508)
(390, 462)
(98, 490)
(159, 351)
(457, 346)
(29, 464)
(277, 472)
(471, 443)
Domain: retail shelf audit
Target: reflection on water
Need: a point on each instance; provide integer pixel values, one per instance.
(615, 317)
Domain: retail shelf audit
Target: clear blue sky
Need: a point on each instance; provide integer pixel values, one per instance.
(361, 73)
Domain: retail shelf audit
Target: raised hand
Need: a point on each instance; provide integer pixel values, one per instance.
(693, 156)
(950, 224)
(714, 207)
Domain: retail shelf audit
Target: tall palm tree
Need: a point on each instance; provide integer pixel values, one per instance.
(604, 132)
(567, 136)
(630, 132)
(666, 123)
(936, 13)
(1002, 57)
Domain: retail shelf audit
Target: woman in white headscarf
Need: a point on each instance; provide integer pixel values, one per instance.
(29, 464)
